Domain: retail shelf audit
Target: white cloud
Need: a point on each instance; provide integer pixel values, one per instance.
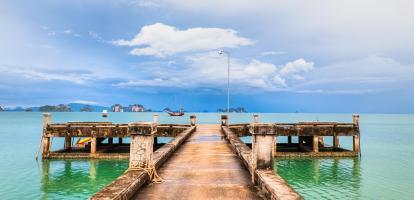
(209, 70)
(163, 40)
(297, 66)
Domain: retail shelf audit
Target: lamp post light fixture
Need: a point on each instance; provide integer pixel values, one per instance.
(221, 52)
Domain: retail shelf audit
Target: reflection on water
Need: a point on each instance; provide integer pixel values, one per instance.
(322, 178)
(74, 179)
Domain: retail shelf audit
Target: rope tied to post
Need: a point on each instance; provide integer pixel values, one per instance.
(150, 170)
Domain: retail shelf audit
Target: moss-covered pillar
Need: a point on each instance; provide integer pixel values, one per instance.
(263, 147)
(141, 149)
(224, 120)
(47, 118)
(193, 120)
(356, 138)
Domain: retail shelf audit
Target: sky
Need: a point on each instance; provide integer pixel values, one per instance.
(285, 56)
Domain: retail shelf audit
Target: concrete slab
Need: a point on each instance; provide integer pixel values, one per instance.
(205, 167)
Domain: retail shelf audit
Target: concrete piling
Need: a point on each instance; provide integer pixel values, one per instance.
(155, 118)
(255, 118)
(68, 143)
(356, 138)
(315, 146)
(263, 147)
(224, 120)
(335, 141)
(193, 120)
(46, 140)
(141, 148)
(93, 145)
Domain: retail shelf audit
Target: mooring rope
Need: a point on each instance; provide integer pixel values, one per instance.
(151, 171)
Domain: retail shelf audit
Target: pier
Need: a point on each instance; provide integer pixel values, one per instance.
(202, 161)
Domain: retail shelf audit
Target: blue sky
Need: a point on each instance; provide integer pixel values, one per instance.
(286, 56)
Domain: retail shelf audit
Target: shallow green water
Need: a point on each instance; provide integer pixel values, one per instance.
(385, 170)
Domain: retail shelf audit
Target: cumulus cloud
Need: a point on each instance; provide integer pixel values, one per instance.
(209, 70)
(297, 66)
(163, 40)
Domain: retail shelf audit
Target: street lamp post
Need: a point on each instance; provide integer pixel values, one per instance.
(228, 77)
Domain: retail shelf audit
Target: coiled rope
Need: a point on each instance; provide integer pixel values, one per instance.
(150, 170)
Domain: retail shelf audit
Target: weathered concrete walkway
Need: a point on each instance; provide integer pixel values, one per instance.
(205, 167)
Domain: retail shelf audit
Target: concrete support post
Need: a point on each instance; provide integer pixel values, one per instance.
(193, 120)
(141, 149)
(47, 118)
(155, 118)
(289, 139)
(335, 141)
(224, 120)
(300, 141)
(321, 141)
(356, 138)
(356, 143)
(263, 148)
(110, 141)
(68, 142)
(315, 146)
(46, 146)
(255, 118)
(93, 145)
(120, 141)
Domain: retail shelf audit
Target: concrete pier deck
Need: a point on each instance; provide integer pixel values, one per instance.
(205, 167)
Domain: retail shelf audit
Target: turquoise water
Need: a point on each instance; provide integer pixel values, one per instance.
(385, 170)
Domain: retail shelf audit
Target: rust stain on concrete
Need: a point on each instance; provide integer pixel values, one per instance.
(205, 167)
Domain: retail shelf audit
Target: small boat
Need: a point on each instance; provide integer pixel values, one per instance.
(181, 113)
(174, 114)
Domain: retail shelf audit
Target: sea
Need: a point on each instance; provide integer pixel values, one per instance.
(385, 169)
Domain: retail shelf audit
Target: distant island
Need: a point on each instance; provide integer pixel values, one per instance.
(79, 107)
(236, 110)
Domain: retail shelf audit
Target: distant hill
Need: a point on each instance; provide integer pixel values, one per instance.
(236, 110)
(79, 107)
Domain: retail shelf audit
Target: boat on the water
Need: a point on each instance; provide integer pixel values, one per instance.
(179, 113)
(104, 113)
